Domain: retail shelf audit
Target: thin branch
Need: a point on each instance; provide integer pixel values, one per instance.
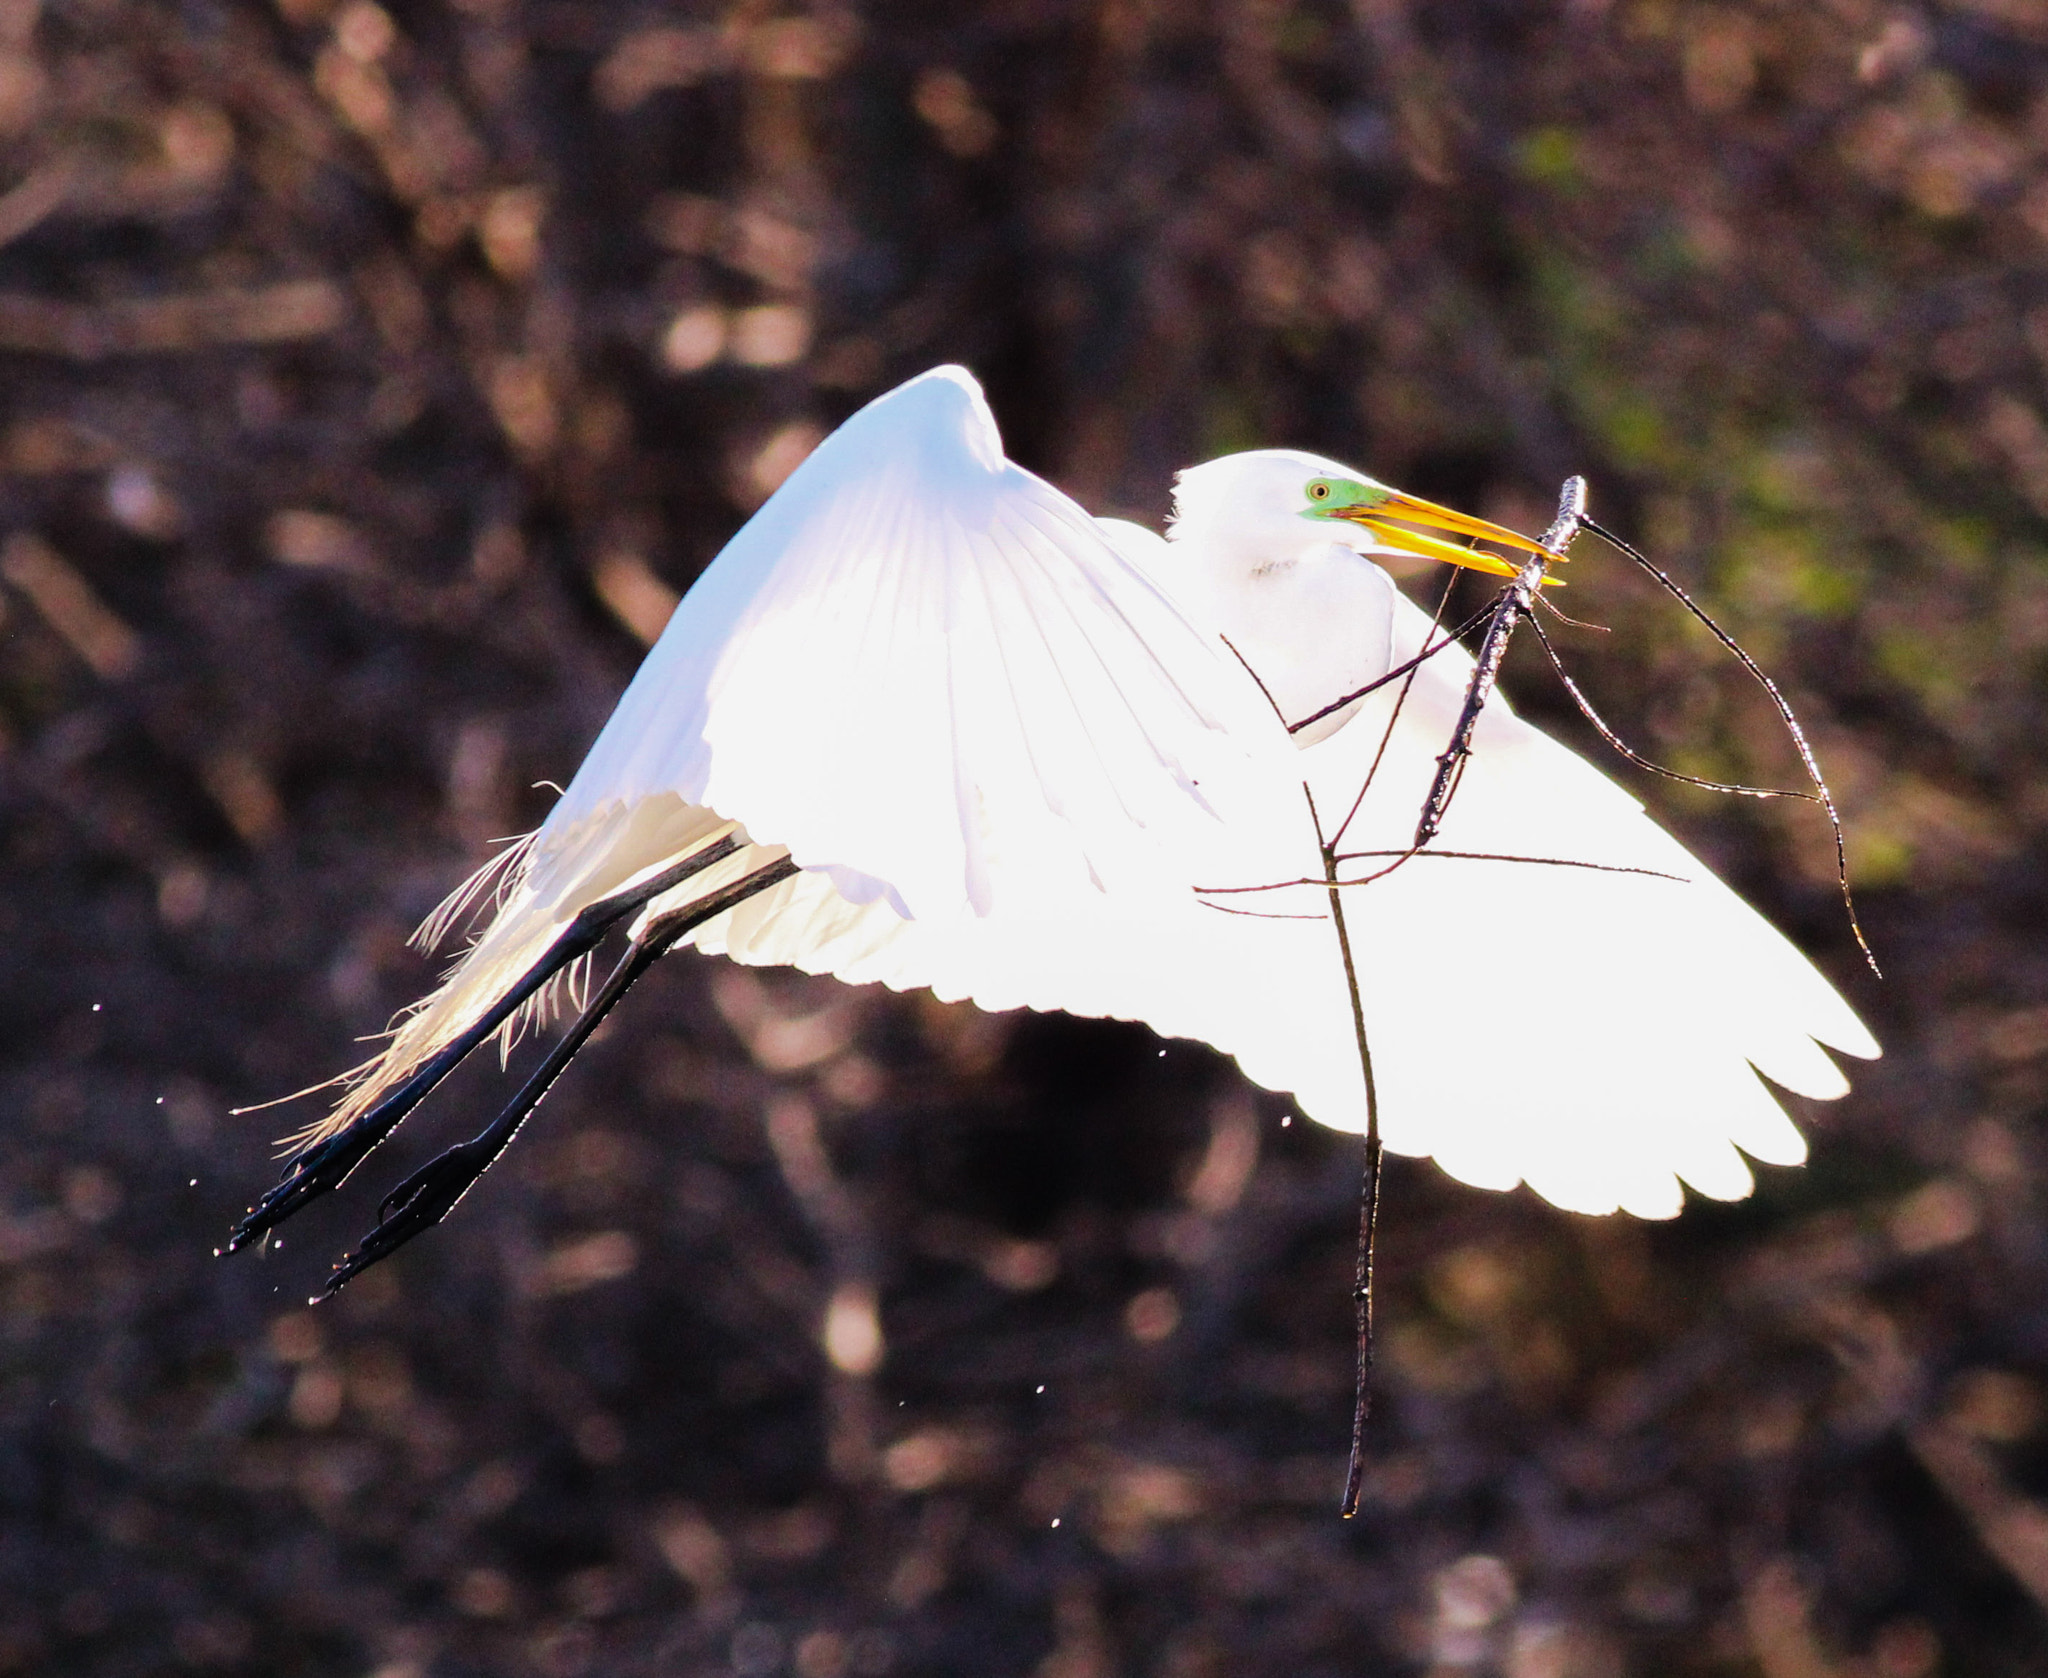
(1510, 607)
(1255, 676)
(1369, 1192)
(1564, 617)
(1394, 718)
(1260, 914)
(1624, 749)
(1785, 714)
(1501, 615)
(1428, 652)
(1443, 856)
(1537, 861)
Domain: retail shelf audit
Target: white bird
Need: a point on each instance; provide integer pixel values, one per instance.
(925, 722)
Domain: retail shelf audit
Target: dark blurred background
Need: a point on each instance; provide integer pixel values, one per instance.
(370, 382)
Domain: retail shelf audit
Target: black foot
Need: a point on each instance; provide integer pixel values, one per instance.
(326, 1165)
(321, 1168)
(417, 1204)
(431, 1193)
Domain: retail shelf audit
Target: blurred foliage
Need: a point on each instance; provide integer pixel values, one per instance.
(374, 379)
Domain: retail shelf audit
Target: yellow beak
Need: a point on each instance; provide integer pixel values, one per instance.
(1412, 509)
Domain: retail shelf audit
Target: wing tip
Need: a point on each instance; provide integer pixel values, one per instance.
(947, 397)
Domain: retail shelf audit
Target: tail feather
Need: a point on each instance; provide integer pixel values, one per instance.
(540, 884)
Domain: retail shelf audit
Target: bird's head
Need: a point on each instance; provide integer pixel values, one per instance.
(1273, 502)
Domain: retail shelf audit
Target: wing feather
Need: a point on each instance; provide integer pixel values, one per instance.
(998, 752)
(1656, 996)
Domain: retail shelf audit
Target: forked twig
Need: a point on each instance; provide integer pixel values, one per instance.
(1624, 749)
(1507, 609)
(1510, 607)
(1513, 605)
(1500, 616)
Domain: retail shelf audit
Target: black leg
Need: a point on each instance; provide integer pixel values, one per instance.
(326, 1165)
(432, 1192)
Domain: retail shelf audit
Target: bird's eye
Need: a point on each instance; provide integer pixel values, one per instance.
(1319, 492)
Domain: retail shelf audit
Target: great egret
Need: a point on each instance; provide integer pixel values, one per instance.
(925, 722)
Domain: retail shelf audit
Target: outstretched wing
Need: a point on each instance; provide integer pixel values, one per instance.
(1588, 1031)
(926, 672)
(1589, 1019)
(930, 679)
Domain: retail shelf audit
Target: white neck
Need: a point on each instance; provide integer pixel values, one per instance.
(1314, 624)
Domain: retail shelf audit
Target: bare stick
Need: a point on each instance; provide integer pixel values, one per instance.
(1428, 652)
(1509, 609)
(1624, 749)
(1369, 1193)
(1435, 855)
(1784, 710)
(1545, 603)
(1394, 716)
(1261, 914)
(1256, 677)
